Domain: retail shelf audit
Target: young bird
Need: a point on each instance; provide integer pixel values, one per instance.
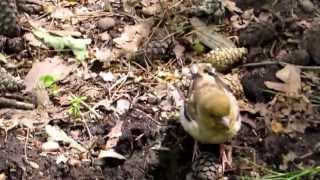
(211, 113)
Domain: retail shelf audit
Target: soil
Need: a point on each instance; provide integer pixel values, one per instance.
(152, 141)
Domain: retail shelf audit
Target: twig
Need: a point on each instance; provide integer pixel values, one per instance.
(154, 29)
(25, 145)
(265, 63)
(87, 127)
(5, 102)
(119, 81)
(151, 118)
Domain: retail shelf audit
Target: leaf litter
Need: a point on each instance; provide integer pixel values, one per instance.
(138, 102)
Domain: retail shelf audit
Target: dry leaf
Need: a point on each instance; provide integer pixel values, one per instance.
(33, 164)
(152, 10)
(107, 76)
(132, 36)
(50, 146)
(276, 127)
(114, 135)
(179, 50)
(297, 126)
(286, 159)
(110, 154)
(52, 66)
(61, 159)
(20, 117)
(33, 41)
(103, 55)
(122, 106)
(57, 134)
(290, 75)
(61, 13)
(231, 6)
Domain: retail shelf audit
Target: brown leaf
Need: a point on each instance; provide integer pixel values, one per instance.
(179, 50)
(290, 75)
(53, 66)
(231, 6)
(132, 36)
(276, 127)
(299, 126)
(114, 135)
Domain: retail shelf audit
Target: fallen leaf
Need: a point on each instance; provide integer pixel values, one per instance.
(122, 106)
(297, 126)
(33, 41)
(111, 153)
(104, 55)
(77, 46)
(176, 95)
(276, 127)
(290, 75)
(107, 77)
(61, 13)
(132, 36)
(20, 117)
(53, 66)
(179, 50)
(231, 6)
(57, 134)
(61, 159)
(33, 164)
(208, 35)
(152, 10)
(50, 146)
(114, 135)
(286, 159)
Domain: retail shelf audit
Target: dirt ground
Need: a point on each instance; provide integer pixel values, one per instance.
(130, 78)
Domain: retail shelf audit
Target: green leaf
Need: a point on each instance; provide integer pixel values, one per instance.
(77, 46)
(74, 109)
(57, 43)
(198, 47)
(48, 80)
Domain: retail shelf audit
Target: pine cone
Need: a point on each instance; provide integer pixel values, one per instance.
(8, 18)
(8, 83)
(232, 80)
(159, 49)
(224, 58)
(207, 167)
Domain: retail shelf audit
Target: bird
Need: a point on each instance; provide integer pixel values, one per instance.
(210, 113)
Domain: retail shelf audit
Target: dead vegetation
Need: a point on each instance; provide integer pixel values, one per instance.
(103, 83)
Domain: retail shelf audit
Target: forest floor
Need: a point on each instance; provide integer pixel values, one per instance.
(107, 99)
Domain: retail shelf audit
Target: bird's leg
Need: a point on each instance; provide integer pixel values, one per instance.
(226, 156)
(195, 153)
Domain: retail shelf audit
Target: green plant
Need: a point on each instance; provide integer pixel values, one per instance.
(48, 81)
(274, 175)
(295, 175)
(75, 102)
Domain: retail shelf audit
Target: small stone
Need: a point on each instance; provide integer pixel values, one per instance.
(106, 23)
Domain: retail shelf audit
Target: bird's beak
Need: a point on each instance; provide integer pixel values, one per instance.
(225, 121)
